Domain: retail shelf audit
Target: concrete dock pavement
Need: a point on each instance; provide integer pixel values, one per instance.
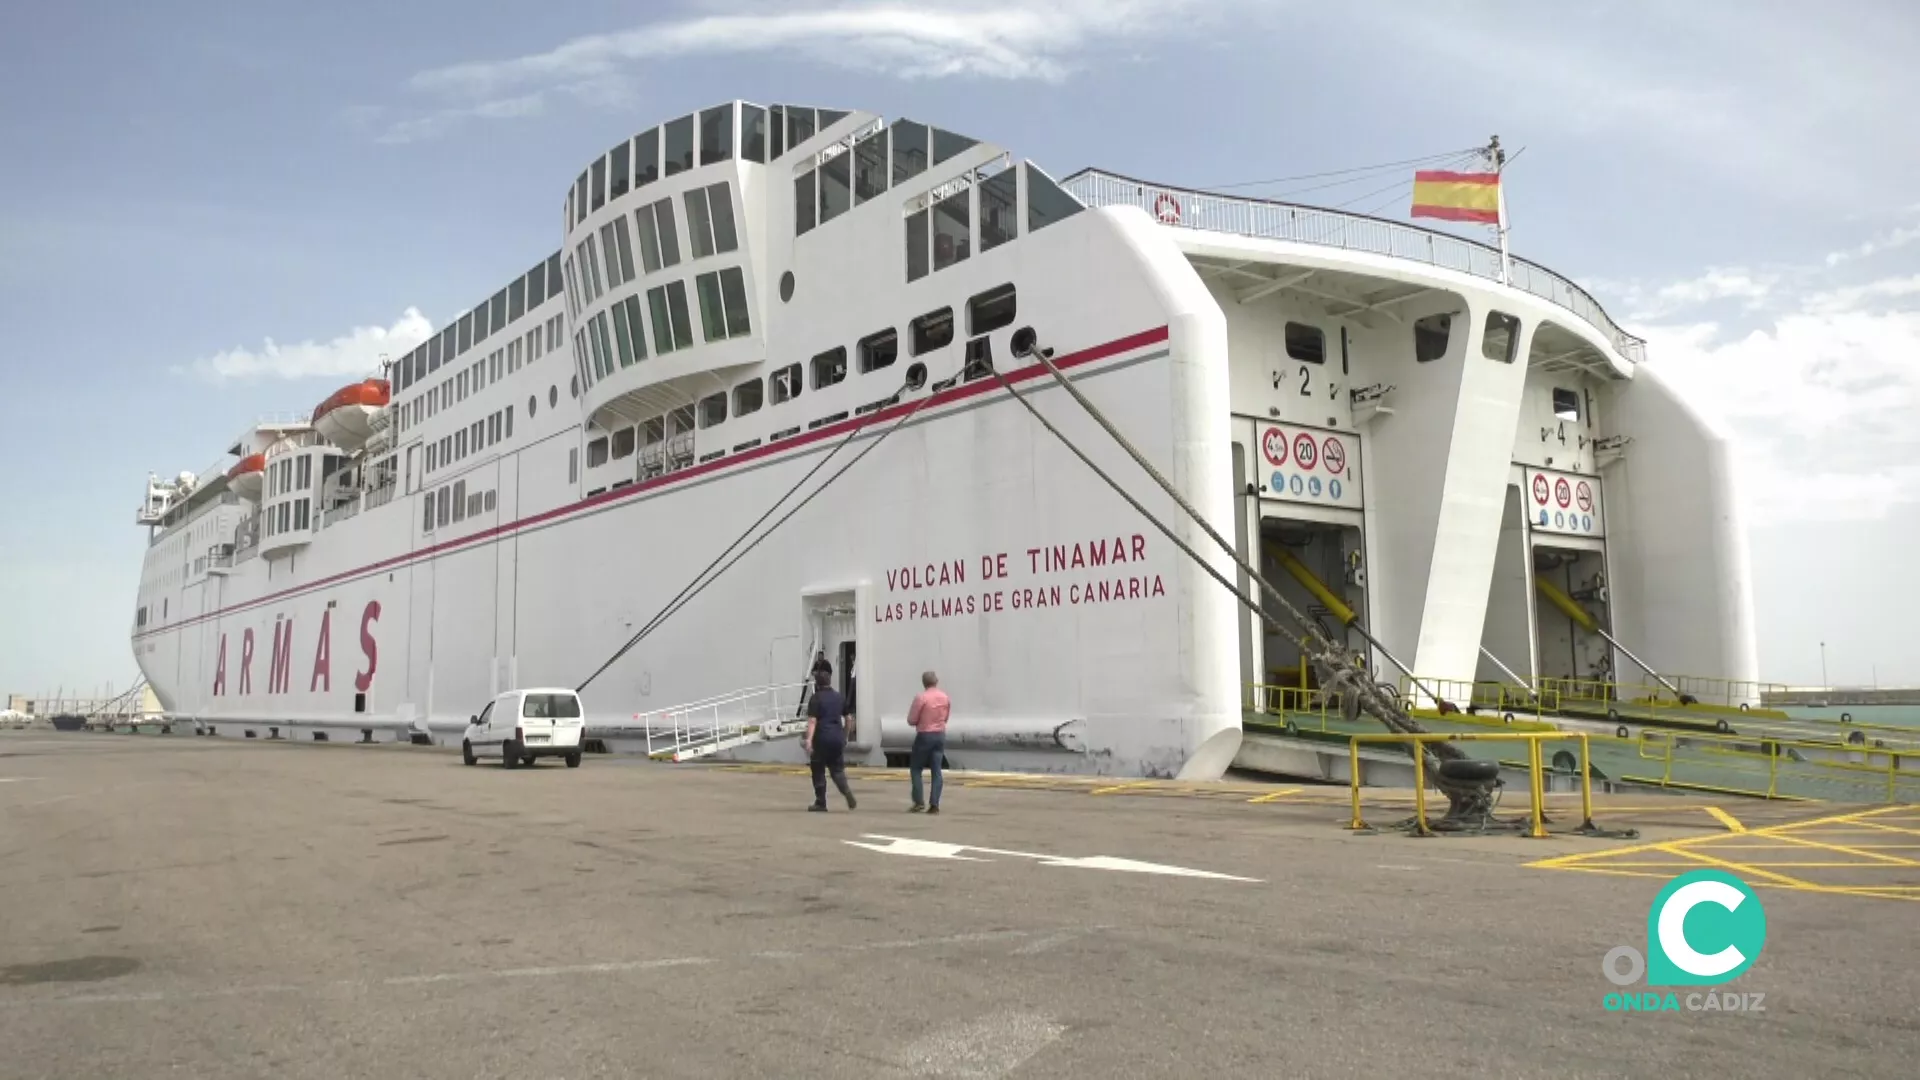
(213, 908)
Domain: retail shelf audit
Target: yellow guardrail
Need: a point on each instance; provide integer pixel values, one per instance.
(1739, 750)
(1536, 770)
(1487, 694)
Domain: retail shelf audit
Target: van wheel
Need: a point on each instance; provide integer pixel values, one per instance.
(509, 758)
(527, 760)
(466, 753)
(573, 760)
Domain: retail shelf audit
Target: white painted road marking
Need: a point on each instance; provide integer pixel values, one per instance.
(986, 1049)
(935, 849)
(16, 779)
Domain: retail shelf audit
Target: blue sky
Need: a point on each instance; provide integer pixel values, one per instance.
(187, 183)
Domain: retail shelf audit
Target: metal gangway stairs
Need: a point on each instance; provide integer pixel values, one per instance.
(725, 722)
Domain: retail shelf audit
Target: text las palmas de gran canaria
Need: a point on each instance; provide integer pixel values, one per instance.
(1119, 563)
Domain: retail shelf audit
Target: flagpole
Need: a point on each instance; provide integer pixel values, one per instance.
(1497, 158)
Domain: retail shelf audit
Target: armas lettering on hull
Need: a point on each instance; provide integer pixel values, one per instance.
(1128, 551)
(280, 667)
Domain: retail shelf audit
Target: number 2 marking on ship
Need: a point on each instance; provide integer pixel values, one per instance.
(1306, 382)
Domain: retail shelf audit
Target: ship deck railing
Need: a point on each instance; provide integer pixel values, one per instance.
(1270, 220)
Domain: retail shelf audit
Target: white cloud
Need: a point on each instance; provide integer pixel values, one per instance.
(925, 41)
(355, 353)
(1820, 403)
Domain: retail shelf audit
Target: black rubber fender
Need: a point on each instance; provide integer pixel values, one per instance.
(1470, 771)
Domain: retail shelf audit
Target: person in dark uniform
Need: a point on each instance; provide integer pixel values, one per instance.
(828, 721)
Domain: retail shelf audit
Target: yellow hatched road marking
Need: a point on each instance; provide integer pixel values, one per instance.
(1732, 823)
(1272, 795)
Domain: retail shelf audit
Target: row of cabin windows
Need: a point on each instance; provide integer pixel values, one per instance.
(527, 292)
(294, 515)
(289, 474)
(453, 504)
(503, 362)
(616, 337)
(992, 310)
(710, 229)
(942, 235)
(472, 439)
(671, 148)
(864, 171)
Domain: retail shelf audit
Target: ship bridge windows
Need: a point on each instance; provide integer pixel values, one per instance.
(671, 326)
(879, 350)
(580, 199)
(785, 383)
(870, 167)
(1501, 339)
(931, 331)
(466, 334)
(713, 410)
(1430, 336)
(659, 240)
(1306, 343)
(597, 452)
(716, 134)
(803, 203)
(679, 145)
(497, 312)
(723, 303)
(999, 209)
(617, 252)
(1566, 405)
(917, 245)
(1046, 201)
(908, 142)
(836, 187)
(830, 367)
(710, 220)
(753, 133)
(627, 330)
(623, 443)
(950, 229)
(646, 157)
(620, 169)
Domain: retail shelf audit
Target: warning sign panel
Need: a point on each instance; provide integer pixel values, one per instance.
(1307, 465)
(1564, 503)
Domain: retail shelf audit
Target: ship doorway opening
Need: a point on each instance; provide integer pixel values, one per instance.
(833, 635)
(1570, 607)
(1318, 567)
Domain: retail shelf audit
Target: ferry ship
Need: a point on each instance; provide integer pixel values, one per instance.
(1407, 430)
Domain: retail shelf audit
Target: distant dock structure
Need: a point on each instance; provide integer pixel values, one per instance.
(1816, 697)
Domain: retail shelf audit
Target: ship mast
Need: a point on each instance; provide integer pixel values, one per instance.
(1496, 161)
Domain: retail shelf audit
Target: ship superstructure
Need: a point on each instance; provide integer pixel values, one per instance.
(1408, 428)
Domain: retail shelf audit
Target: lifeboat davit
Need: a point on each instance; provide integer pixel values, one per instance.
(345, 419)
(246, 475)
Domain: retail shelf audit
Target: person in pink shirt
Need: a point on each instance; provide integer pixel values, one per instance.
(928, 716)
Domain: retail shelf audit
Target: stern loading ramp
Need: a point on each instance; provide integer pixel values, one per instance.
(1665, 736)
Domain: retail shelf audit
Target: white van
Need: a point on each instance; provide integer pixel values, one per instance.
(528, 724)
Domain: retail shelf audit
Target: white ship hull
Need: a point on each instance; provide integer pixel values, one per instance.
(1071, 634)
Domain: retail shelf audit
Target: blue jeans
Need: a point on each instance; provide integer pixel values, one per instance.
(927, 752)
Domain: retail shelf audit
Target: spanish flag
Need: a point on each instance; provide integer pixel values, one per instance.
(1456, 196)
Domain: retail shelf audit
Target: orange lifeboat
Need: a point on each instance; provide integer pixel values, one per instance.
(345, 419)
(246, 476)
